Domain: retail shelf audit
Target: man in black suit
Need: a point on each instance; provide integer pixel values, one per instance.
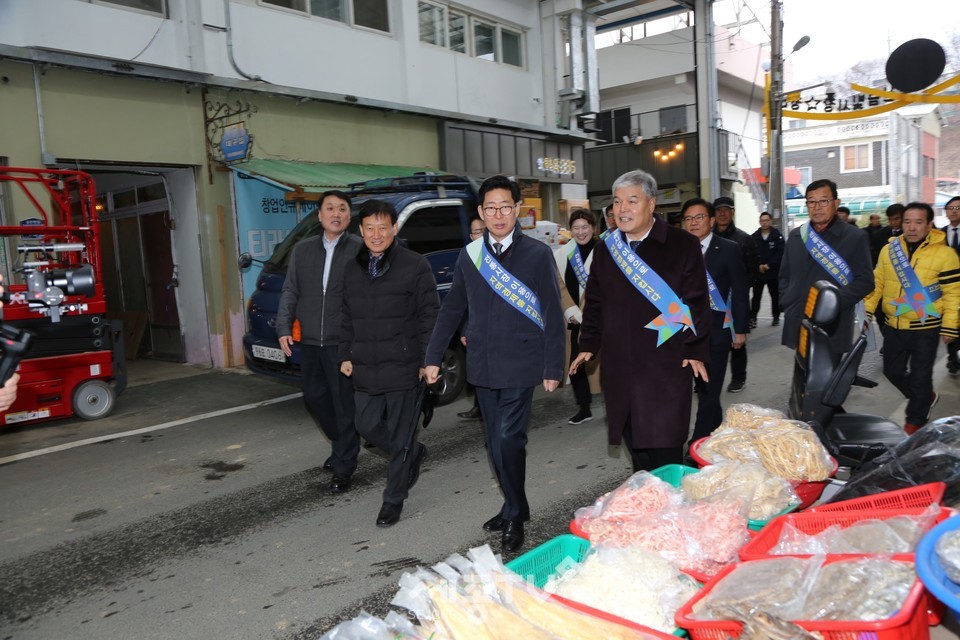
(953, 239)
(894, 228)
(507, 285)
(727, 279)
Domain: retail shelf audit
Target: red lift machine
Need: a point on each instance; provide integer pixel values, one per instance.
(54, 312)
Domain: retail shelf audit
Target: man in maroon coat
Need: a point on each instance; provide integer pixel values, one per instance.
(647, 303)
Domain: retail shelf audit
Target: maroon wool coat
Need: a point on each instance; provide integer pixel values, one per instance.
(641, 382)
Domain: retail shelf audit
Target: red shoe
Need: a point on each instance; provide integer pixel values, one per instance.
(910, 429)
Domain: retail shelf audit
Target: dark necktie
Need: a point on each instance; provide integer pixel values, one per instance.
(634, 245)
(497, 249)
(953, 239)
(375, 266)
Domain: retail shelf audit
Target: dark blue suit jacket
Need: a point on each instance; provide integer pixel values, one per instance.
(946, 230)
(725, 264)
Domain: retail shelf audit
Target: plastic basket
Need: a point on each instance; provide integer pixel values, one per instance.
(931, 570)
(909, 623)
(813, 523)
(537, 565)
(808, 492)
(917, 497)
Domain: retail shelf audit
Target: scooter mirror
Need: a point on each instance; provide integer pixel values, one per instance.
(823, 303)
(245, 260)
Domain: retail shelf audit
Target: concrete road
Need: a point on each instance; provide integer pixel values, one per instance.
(199, 509)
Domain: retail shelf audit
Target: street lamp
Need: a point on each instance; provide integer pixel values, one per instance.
(775, 107)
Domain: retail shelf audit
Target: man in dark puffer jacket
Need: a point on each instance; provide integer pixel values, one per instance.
(389, 308)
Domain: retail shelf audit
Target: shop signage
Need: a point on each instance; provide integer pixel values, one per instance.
(235, 142)
(559, 166)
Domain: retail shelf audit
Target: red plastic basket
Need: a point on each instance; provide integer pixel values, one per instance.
(917, 497)
(812, 523)
(808, 492)
(909, 623)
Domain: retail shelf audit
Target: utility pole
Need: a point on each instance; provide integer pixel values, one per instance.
(775, 178)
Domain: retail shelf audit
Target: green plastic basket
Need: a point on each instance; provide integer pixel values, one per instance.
(539, 564)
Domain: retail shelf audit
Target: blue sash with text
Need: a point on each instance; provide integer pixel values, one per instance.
(915, 296)
(504, 284)
(717, 304)
(825, 256)
(674, 314)
(576, 263)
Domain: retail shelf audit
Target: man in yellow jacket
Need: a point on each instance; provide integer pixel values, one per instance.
(918, 279)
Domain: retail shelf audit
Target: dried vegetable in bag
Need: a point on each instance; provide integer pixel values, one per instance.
(747, 417)
(776, 586)
(771, 494)
(864, 589)
(948, 550)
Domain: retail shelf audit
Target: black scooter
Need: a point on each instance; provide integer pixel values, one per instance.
(822, 382)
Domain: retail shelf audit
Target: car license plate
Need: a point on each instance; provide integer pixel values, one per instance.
(268, 353)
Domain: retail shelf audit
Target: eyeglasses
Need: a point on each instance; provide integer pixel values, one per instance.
(504, 211)
(954, 208)
(818, 204)
(696, 218)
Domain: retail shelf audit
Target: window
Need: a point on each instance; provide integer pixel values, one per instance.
(614, 125)
(856, 157)
(673, 120)
(433, 28)
(361, 13)
(929, 167)
(433, 229)
(472, 35)
(146, 6)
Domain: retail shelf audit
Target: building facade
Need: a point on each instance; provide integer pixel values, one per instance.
(177, 107)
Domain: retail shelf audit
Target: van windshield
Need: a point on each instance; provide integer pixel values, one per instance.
(306, 228)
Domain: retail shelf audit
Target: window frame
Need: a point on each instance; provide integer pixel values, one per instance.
(470, 24)
(163, 13)
(869, 158)
(349, 11)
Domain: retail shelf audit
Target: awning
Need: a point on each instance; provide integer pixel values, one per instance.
(315, 177)
(858, 205)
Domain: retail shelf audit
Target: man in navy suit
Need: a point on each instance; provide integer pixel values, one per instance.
(727, 280)
(953, 239)
(507, 285)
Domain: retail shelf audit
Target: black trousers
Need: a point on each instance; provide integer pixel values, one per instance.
(908, 358)
(506, 419)
(709, 411)
(774, 289)
(738, 363)
(952, 349)
(328, 395)
(579, 381)
(387, 421)
(650, 459)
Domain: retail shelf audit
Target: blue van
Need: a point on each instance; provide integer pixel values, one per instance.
(434, 220)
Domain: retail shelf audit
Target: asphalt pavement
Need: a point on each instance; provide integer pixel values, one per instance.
(200, 509)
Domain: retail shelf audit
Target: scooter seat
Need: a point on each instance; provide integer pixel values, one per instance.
(860, 438)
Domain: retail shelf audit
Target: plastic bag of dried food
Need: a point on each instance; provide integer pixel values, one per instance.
(771, 494)
(792, 450)
(368, 627)
(776, 586)
(866, 589)
(642, 494)
(715, 528)
(727, 443)
(948, 550)
(932, 462)
(749, 416)
(632, 583)
(879, 536)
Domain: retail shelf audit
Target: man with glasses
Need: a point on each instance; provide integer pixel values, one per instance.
(727, 281)
(824, 248)
(953, 241)
(507, 286)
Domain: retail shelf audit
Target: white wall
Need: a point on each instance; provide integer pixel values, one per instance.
(295, 50)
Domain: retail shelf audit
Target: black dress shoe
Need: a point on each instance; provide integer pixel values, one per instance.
(389, 514)
(339, 483)
(418, 458)
(512, 538)
(494, 524)
(328, 464)
(473, 414)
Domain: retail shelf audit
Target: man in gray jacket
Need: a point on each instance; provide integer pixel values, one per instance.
(313, 295)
